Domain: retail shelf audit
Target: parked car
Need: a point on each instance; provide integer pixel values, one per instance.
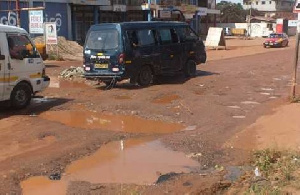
(141, 51)
(276, 40)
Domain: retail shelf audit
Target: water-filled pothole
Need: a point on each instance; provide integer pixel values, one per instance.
(135, 161)
(93, 120)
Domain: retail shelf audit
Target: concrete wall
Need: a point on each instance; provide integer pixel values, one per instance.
(55, 12)
(256, 30)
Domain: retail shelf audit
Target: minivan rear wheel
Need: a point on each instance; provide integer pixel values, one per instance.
(145, 76)
(190, 69)
(21, 96)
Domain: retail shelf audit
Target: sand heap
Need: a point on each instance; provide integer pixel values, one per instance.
(68, 50)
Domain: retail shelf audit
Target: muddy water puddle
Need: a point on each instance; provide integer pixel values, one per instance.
(135, 161)
(166, 99)
(59, 83)
(93, 120)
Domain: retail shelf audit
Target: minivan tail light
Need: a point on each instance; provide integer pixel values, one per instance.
(121, 58)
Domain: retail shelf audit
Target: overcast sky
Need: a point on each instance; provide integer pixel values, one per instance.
(233, 1)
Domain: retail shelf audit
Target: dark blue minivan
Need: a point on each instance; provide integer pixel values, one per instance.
(140, 51)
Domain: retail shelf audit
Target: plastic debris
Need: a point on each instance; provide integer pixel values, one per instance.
(55, 176)
(256, 172)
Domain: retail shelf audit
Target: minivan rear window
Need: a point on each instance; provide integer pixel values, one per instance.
(104, 39)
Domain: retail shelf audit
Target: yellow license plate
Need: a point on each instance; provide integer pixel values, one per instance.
(101, 65)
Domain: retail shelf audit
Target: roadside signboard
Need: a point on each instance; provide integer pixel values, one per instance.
(36, 20)
(165, 14)
(293, 23)
(215, 37)
(119, 8)
(50, 33)
(202, 11)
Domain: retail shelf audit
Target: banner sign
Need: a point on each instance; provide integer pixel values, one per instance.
(215, 37)
(50, 33)
(36, 22)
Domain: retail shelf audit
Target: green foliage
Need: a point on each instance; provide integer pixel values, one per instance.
(231, 12)
(263, 190)
(266, 159)
(278, 168)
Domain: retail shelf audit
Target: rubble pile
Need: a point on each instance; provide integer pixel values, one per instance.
(72, 72)
(68, 50)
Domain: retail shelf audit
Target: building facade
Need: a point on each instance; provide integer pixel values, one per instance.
(271, 8)
(74, 17)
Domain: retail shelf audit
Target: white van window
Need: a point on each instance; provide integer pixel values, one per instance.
(104, 39)
(20, 46)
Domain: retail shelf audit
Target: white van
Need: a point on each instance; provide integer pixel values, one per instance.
(22, 72)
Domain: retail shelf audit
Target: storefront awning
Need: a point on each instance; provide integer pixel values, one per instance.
(91, 2)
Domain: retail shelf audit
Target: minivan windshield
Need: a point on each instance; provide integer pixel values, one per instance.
(103, 40)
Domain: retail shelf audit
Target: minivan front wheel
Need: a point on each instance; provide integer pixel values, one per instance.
(190, 69)
(21, 96)
(145, 76)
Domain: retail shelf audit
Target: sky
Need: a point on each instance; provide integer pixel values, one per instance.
(233, 1)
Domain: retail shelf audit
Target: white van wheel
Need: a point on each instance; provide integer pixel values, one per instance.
(145, 76)
(21, 96)
(190, 69)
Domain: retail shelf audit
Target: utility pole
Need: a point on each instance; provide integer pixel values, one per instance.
(294, 79)
(249, 21)
(18, 9)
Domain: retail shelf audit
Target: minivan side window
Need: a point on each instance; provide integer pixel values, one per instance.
(186, 34)
(20, 46)
(165, 36)
(133, 38)
(168, 36)
(141, 37)
(146, 37)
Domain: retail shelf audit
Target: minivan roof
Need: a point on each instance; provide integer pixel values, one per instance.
(6, 28)
(140, 24)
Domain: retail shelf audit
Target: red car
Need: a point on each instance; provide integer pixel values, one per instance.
(277, 40)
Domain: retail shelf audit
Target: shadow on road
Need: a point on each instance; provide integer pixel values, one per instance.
(51, 66)
(37, 106)
(161, 80)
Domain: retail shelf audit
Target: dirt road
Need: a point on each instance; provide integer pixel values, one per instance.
(178, 126)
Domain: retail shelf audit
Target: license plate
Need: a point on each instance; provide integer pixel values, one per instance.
(271, 43)
(101, 65)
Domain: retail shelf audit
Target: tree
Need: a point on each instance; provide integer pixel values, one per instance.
(231, 12)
